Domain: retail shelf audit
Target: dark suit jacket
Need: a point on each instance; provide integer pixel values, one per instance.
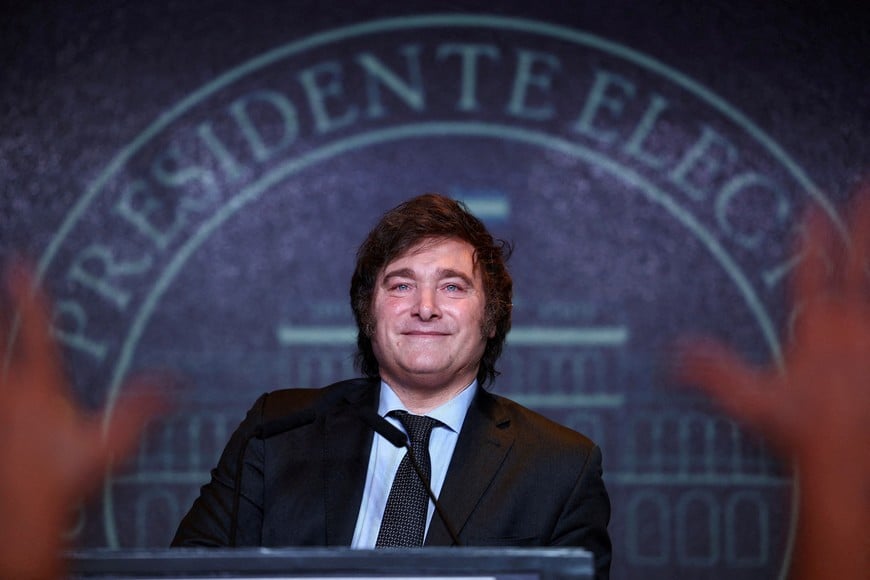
(515, 479)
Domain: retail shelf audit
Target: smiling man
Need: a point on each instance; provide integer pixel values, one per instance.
(432, 300)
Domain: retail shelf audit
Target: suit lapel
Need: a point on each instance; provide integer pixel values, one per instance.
(483, 444)
(347, 445)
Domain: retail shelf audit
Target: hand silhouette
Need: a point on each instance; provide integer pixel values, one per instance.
(52, 453)
(816, 409)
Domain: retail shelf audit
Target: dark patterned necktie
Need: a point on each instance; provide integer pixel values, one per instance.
(404, 522)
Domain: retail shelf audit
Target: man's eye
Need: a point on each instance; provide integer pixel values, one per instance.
(401, 287)
(454, 288)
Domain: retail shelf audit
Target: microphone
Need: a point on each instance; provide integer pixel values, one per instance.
(263, 431)
(392, 434)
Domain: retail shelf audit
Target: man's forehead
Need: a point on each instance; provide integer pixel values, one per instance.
(429, 244)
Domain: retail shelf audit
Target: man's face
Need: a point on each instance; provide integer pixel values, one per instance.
(428, 311)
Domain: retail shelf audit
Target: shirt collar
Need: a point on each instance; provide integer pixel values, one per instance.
(452, 413)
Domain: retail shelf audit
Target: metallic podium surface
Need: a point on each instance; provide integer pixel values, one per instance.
(308, 563)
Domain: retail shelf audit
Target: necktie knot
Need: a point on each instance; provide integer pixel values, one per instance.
(419, 427)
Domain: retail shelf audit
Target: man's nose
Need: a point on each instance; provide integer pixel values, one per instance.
(427, 304)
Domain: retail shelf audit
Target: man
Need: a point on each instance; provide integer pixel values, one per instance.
(432, 300)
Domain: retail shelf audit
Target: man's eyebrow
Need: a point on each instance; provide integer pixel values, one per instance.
(400, 273)
(451, 273)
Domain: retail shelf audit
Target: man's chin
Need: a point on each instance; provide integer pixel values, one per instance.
(427, 375)
(435, 377)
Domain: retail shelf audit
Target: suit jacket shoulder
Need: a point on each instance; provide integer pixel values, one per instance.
(519, 479)
(538, 429)
(311, 475)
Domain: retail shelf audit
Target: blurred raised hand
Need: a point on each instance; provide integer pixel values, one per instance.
(816, 409)
(52, 453)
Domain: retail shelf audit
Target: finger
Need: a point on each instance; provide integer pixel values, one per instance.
(744, 392)
(8, 323)
(7, 318)
(144, 399)
(131, 416)
(36, 359)
(855, 275)
(812, 274)
(111, 445)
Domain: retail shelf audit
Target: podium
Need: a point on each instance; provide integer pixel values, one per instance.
(334, 563)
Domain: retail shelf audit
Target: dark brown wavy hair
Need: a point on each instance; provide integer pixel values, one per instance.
(426, 217)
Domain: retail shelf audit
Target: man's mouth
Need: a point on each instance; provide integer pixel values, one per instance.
(424, 333)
